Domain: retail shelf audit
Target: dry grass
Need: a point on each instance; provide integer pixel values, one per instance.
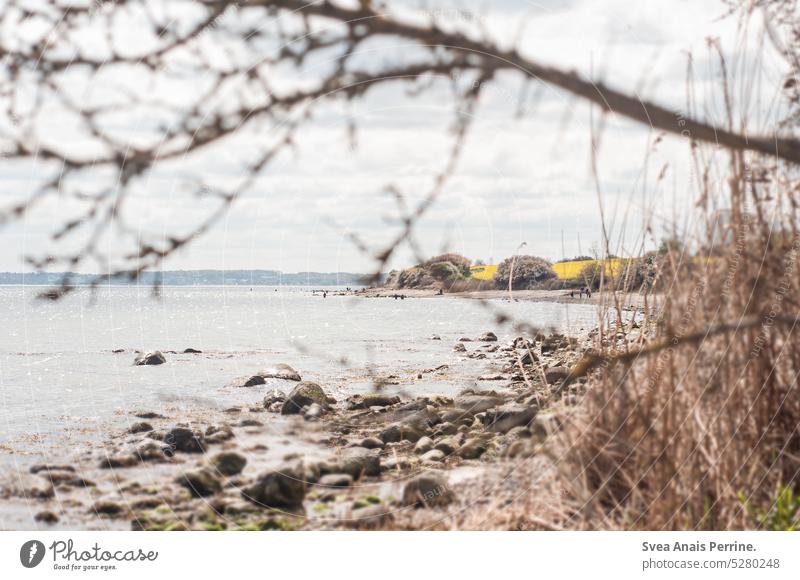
(701, 432)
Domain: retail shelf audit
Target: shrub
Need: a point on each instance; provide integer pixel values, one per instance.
(462, 263)
(528, 271)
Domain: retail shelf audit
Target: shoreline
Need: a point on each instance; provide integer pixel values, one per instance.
(333, 464)
(628, 299)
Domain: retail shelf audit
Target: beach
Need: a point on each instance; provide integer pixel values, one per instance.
(410, 391)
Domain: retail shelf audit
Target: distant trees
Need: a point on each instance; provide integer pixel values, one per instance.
(524, 271)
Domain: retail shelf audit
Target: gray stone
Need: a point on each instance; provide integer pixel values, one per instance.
(504, 418)
(424, 445)
(282, 488)
(228, 462)
(371, 400)
(398, 432)
(140, 427)
(371, 443)
(303, 395)
(472, 449)
(433, 456)
(459, 347)
(447, 445)
(488, 337)
(336, 480)
(150, 358)
(200, 482)
(357, 461)
(427, 490)
(184, 440)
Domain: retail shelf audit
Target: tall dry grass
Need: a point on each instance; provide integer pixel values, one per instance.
(696, 423)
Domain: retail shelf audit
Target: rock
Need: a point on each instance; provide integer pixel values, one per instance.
(395, 463)
(150, 358)
(465, 339)
(476, 403)
(118, 461)
(492, 378)
(67, 478)
(228, 463)
(488, 337)
(274, 400)
(556, 374)
(399, 431)
(371, 443)
(434, 337)
(46, 517)
(192, 351)
(459, 347)
(184, 440)
(282, 488)
(251, 381)
(140, 427)
(433, 456)
(48, 467)
(107, 508)
(371, 400)
(504, 418)
(303, 395)
(313, 412)
(148, 415)
(447, 445)
(472, 449)
(446, 428)
(336, 480)
(280, 371)
(529, 358)
(427, 490)
(424, 445)
(250, 423)
(218, 434)
(357, 461)
(200, 482)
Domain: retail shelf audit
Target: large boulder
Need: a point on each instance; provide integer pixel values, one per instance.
(302, 395)
(427, 490)
(153, 357)
(282, 488)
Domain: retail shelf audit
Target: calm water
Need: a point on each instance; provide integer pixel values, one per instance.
(58, 371)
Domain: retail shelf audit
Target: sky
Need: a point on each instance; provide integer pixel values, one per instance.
(523, 184)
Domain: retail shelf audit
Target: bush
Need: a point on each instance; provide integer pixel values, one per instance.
(528, 271)
(462, 263)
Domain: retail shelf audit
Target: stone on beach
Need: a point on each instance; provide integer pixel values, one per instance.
(153, 357)
(200, 482)
(281, 488)
(371, 400)
(302, 395)
(488, 337)
(185, 440)
(228, 462)
(336, 480)
(427, 490)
